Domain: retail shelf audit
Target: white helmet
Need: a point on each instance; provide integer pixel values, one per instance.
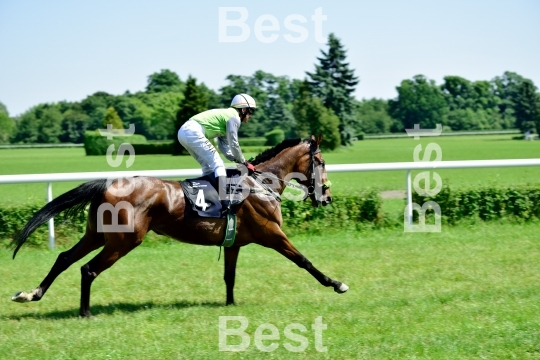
(243, 101)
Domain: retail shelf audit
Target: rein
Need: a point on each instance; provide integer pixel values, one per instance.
(310, 190)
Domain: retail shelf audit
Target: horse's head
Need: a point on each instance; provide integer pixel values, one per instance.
(313, 167)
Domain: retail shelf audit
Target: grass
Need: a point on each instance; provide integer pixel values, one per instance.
(464, 293)
(27, 161)
(468, 292)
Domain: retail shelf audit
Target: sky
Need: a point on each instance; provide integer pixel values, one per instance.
(66, 50)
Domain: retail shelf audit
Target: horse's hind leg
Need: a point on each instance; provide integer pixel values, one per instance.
(231, 255)
(116, 246)
(88, 243)
(279, 242)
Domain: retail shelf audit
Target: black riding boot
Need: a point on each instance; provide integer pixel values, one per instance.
(221, 182)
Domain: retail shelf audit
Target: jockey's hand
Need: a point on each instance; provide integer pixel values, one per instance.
(250, 167)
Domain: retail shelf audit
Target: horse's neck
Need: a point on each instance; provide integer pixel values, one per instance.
(282, 164)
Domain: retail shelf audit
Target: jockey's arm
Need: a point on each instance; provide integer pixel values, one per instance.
(232, 139)
(223, 146)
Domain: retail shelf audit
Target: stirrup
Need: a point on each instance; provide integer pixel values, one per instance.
(225, 207)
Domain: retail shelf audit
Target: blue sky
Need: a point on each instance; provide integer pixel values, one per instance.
(65, 50)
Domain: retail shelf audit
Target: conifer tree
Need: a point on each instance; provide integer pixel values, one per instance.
(112, 117)
(195, 101)
(334, 82)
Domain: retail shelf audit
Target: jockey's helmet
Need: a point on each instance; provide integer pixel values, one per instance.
(241, 101)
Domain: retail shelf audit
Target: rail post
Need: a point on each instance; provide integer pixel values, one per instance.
(51, 221)
(409, 198)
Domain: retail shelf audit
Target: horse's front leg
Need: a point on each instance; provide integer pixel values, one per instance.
(278, 241)
(231, 255)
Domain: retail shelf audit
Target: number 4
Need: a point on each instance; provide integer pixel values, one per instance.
(201, 202)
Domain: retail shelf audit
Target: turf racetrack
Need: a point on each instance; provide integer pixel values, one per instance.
(462, 293)
(35, 161)
(468, 292)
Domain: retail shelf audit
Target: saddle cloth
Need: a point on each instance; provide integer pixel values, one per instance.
(203, 197)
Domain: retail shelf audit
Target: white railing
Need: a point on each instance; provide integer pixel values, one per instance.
(173, 174)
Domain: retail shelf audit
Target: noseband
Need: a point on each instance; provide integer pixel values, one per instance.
(311, 188)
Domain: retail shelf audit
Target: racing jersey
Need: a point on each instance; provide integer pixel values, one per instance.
(223, 124)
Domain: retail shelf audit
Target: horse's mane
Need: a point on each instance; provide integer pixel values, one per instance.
(271, 153)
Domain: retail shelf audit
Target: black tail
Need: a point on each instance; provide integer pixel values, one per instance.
(71, 202)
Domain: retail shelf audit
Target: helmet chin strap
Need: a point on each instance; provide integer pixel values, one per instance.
(242, 114)
(247, 102)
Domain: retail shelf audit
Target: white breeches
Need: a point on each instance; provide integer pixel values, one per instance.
(191, 136)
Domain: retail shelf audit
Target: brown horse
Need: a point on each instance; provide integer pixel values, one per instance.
(159, 205)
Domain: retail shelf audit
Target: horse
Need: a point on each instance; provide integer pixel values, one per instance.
(160, 206)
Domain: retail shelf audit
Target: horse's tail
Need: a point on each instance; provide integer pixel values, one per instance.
(71, 202)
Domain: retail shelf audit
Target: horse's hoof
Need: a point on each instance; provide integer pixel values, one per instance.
(341, 288)
(21, 297)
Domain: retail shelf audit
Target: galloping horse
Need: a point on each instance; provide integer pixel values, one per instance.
(159, 205)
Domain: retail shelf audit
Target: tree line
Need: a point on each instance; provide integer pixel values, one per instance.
(321, 102)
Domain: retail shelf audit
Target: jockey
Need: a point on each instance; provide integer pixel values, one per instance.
(223, 124)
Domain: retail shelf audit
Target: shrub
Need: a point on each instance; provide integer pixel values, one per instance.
(344, 212)
(153, 149)
(274, 137)
(95, 144)
(486, 203)
(255, 141)
(351, 212)
(14, 217)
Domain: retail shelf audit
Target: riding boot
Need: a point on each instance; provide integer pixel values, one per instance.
(222, 191)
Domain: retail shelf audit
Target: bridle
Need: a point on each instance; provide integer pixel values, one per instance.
(309, 190)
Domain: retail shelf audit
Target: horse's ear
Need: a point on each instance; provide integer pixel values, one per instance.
(319, 139)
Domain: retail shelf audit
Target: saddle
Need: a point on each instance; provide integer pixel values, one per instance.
(203, 198)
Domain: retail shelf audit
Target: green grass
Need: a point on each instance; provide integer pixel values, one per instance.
(464, 293)
(28, 161)
(453, 148)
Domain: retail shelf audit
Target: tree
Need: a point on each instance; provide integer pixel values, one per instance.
(7, 128)
(419, 101)
(195, 101)
(525, 106)
(74, 124)
(255, 86)
(334, 82)
(7, 125)
(95, 106)
(472, 105)
(537, 119)
(372, 117)
(274, 96)
(214, 100)
(3, 109)
(27, 128)
(50, 125)
(164, 81)
(136, 110)
(506, 88)
(40, 124)
(280, 116)
(458, 92)
(162, 118)
(312, 118)
(111, 117)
